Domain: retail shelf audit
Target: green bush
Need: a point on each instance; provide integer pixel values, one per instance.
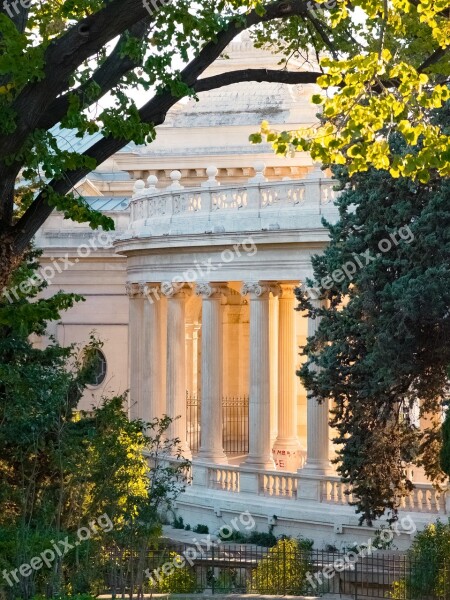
(201, 529)
(261, 538)
(429, 574)
(181, 580)
(236, 536)
(178, 523)
(282, 571)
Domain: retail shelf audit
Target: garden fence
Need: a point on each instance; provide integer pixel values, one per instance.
(227, 568)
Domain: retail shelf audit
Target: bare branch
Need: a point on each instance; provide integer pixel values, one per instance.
(258, 75)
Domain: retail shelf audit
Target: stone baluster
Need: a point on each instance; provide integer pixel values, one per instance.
(212, 173)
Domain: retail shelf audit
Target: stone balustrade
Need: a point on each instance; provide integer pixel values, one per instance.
(255, 205)
(281, 485)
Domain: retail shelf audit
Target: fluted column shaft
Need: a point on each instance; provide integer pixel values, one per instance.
(273, 342)
(211, 449)
(153, 387)
(318, 434)
(287, 446)
(136, 353)
(176, 364)
(260, 454)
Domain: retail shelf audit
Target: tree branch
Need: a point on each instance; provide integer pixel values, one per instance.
(18, 14)
(106, 77)
(258, 75)
(62, 58)
(155, 112)
(433, 58)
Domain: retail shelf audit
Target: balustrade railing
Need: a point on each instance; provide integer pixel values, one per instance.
(149, 204)
(424, 498)
(224, 478)
(279, 485)
(282, 485)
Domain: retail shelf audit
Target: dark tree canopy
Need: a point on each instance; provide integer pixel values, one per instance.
(381, 353)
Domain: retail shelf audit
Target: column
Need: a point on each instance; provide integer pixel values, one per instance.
(191, 335)
(287, 446)
(176, 363)
(154, 346)
(318, 431)
(211, 448)
(273, 345)
(260, 455)
(136, 296)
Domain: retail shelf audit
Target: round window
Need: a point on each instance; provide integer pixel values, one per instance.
(98, 367)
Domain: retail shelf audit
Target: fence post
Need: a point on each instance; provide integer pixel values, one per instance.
(356, 580)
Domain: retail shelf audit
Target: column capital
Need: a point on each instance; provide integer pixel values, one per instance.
(260, 289)
(175, 290)
(211, 290)
(287, 289)
(135, 289)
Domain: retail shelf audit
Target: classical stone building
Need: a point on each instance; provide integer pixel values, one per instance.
(193, 297)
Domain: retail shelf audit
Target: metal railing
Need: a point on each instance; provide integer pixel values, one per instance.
(235, 424)
(285, 569)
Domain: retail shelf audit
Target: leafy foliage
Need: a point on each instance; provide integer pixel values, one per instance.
(382, 340)
(62, 471)
(392, 75)
(429, 558)
(282, 570)
(180, 579)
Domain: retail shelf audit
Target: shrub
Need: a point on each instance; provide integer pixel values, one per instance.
(181, 580)
(261, 538)
(187, 527)
(282, 571)
(201, 529)
(236, 536)
(178, 523)
(429, 574)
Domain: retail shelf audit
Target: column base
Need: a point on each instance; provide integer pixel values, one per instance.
(317, 467)
(217, 458)
(257, 462)
(286, 453)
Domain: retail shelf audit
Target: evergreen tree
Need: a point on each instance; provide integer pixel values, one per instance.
(381, 352)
